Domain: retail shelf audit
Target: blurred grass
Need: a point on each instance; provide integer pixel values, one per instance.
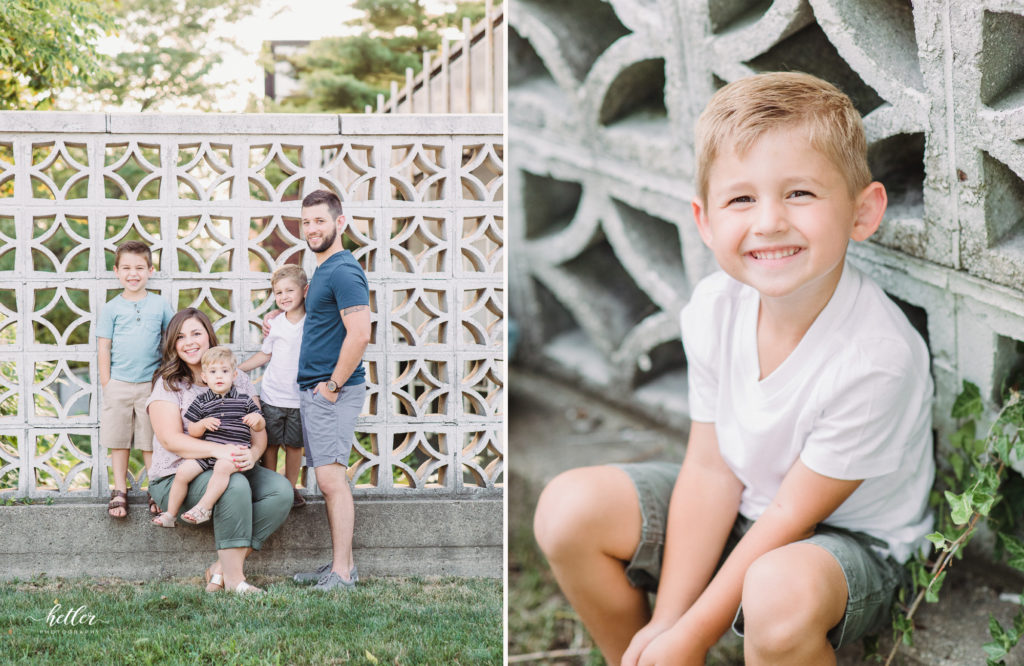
(539, 617)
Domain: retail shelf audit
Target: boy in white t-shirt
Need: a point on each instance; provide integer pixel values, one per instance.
(806, 477)
(279, 392)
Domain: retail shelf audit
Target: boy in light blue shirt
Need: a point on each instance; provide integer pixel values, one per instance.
(128, 336)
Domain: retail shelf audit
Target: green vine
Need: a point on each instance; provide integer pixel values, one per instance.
(977, 489)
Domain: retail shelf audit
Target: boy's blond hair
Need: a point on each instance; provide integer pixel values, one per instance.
(742, 111)
(219, 354)
(289, 272)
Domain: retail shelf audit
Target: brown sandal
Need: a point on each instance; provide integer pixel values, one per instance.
(154, 509)
(118, 500)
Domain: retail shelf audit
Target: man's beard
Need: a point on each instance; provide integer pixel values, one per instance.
(327, 241)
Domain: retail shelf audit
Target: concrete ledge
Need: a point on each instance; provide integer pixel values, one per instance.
(12, 122)
(420, 124)
(223, 123)
(441, 537)
(276, 124)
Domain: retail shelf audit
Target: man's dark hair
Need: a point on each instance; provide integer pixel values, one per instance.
(324, 197)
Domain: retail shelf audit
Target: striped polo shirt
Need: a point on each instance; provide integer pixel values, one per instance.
(229, 408)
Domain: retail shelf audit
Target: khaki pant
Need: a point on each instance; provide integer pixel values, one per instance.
(123, 417)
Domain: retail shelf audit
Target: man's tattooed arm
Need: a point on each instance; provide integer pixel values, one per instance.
(353, 309)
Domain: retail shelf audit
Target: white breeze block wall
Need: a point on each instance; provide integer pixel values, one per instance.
(603, 99)
(218, 198)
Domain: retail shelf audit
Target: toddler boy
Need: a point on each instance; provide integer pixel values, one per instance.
(128, 336)
(279, 392)
(805, 482)
(222, 415)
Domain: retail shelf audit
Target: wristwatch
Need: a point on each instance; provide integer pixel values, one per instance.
(332, 386)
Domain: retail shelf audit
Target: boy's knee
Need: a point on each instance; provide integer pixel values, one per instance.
(224, 466)
(563, 511)
(784, 602)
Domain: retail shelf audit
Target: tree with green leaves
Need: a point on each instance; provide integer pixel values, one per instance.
(344, 74)
(46, 45)
(167, 57)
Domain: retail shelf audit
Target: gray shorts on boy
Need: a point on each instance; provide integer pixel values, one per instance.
(872, 580)
(329, 428)
(284, 426)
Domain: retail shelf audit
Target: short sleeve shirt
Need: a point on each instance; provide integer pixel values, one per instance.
(337, 284)
(230, 408)
(279, 386)
(134, 329)
(165, 462)
(851, 401)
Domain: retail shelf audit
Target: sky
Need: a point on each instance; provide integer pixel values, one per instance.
(276, 19)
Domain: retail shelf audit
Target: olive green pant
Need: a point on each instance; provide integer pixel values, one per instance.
(254, 505)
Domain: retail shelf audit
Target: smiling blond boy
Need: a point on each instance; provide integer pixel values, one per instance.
(806, 477)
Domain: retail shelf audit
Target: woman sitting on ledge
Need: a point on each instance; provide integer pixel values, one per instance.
(256, 501)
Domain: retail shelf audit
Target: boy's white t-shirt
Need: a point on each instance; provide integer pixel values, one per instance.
(278, 386)
(852, 401)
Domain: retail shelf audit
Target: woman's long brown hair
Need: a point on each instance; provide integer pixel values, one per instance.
(172, 369)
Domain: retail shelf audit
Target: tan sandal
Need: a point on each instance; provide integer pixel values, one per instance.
(165, 519)
(215, 579)
(246, 588)
(197, 515)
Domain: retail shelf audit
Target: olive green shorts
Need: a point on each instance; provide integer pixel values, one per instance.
(252, 507)
(872, 580)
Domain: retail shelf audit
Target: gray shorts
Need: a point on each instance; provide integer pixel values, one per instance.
(872, 580)
(284, 426)
(329, 429)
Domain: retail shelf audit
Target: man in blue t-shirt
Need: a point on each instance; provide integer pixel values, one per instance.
(331, 376)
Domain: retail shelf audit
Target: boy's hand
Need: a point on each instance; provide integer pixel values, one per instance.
(269, 318)
(641, 640)
(254, 421)
(210, 423)
(673, 647)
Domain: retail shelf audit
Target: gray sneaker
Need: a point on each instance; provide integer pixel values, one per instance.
(332, 581)
(311, 577)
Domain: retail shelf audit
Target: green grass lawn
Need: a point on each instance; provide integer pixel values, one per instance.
(383, 621)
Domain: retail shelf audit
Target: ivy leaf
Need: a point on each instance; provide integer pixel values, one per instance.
(962, 437)
(994, 651)
(1014, 549)
(1018, 449)
(931, 594)
(939, 539)
(968, 404)
(960, 507)
(996, 631)
(958, 465)
(983, 502)
(903, 629)
(1018, 624)
(921, 576)
(1002, 447)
